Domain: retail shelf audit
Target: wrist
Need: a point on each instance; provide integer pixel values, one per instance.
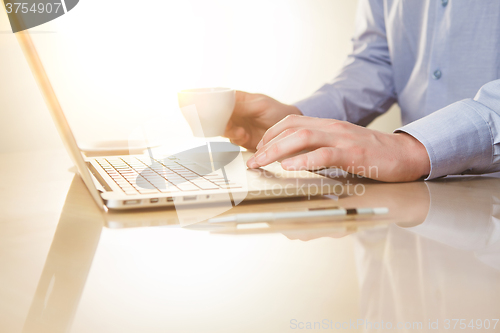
(292, 109)
(415, 157)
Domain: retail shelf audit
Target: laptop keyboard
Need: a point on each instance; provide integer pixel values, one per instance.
(142, 175)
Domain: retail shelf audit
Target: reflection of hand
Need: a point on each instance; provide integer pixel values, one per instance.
(332, 143)
(253, 115)
(408, 205)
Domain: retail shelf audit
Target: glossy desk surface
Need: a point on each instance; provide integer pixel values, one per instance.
(433, 259)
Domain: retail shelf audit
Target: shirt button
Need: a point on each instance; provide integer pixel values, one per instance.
(437, 74)
(444, 3)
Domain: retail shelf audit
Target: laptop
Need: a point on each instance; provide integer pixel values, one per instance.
(212, 173)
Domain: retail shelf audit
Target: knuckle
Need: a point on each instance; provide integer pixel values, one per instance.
(291, 118)
(305, 134)
(338, 125)
(275, 149)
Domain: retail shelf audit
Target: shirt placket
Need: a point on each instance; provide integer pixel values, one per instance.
(438, 69)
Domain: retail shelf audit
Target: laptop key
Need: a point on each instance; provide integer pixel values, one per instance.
(207, 186)
(170, 189)
(230, 186)
(187, 187)
(199, 169)
(147, 191)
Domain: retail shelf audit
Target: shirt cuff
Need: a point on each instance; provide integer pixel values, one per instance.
(321, 105)
(457, 138)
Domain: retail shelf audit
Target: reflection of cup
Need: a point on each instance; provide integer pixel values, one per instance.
(207, 110)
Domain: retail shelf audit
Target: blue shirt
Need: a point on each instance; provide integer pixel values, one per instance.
(440, 61)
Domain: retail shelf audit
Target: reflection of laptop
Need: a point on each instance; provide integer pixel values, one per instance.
(126, 182)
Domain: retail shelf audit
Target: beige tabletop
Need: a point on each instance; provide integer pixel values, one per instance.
(431, 264)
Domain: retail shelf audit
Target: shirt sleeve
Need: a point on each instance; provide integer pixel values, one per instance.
(364, 87)
(464, 137)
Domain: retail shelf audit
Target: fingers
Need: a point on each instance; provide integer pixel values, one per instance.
(236, 134)
(230, 130)
(291, 121)
(292, 142)
(285, 133)
(243, 127)
(321, 158)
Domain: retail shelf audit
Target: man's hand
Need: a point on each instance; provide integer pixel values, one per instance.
(331, 143)
(253, 115)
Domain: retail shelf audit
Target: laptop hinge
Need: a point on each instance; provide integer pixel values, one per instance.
(100, 183)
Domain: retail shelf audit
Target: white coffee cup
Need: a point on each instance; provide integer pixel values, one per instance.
(207, 110)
